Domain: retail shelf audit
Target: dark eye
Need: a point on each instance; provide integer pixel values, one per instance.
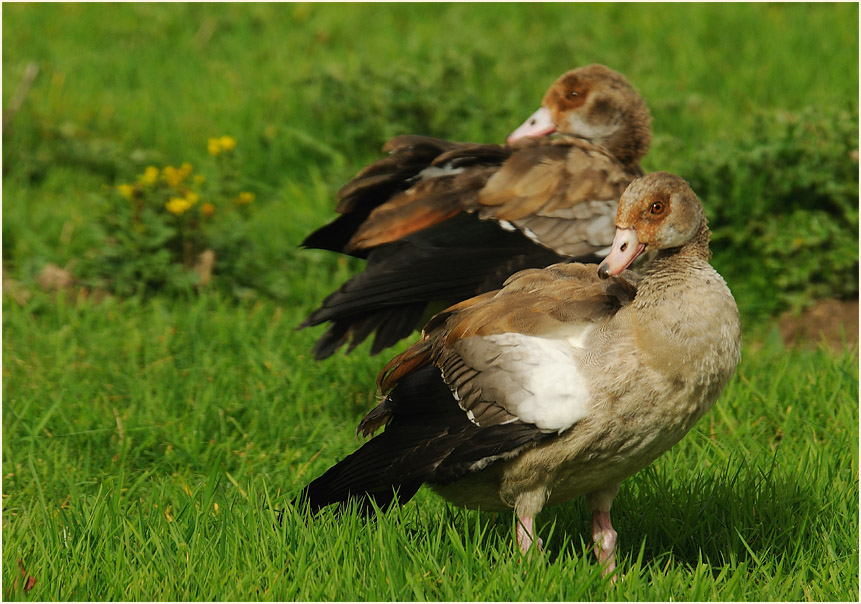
(657, 208)
(573, 94)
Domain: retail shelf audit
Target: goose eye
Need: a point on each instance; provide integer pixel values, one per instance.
(657, 208)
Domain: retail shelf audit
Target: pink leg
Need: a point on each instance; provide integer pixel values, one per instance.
(602, 530)
(605, 540)
(525, 532)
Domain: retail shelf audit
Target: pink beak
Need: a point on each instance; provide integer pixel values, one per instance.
(626, 248)
(538, 124)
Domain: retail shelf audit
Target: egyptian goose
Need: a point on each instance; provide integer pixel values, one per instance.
(442, 221)
(563, 383)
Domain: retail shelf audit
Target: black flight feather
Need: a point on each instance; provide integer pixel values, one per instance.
(428, 440)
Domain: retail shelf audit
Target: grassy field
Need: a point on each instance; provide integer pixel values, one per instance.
(147, 440)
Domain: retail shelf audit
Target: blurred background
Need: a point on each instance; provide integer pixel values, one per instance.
(755, 104)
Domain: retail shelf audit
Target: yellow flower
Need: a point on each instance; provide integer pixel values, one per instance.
(207, 209)
(245, 198)
(126, 191)
(228, 143)
(185, 169)
(213, 145)
(172, 176)
(199, 179)
(192, 197)
(177, 206)
(149, 176)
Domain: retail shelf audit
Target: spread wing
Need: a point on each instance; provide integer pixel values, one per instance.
(440, 222)
(417, 185)
(448, 262)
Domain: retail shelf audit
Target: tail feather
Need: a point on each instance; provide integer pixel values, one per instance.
(399, 323)
(361, 477)
(428, 439)
(391, 325)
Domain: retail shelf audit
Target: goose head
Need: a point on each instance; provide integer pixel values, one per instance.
(657, 212)
(597, 104)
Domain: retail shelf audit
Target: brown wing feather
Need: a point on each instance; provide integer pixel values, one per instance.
(538, 302)
(532, 302)
(408, 155)
(562, 194)
(424, 204)
(416, 356)
(526, 182)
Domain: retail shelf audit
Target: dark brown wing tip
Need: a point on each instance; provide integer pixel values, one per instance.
(373, 421)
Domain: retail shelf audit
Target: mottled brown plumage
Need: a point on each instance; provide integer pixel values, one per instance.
(441, 221)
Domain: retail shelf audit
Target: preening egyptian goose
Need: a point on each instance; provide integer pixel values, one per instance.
(563, 383)
(439, 221)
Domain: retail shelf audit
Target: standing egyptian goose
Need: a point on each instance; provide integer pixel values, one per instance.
(442, 221)
(563, 383)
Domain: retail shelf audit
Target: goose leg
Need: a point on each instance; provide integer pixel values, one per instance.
(525, 534)
(605, 540)
(603, 534)
(526, 507)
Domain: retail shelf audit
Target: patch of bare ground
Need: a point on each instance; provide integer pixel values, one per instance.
(60, 281)
(834, 321)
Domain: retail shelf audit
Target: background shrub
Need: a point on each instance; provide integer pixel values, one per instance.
(783, 208)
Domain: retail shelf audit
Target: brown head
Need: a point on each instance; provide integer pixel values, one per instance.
(598, 104)
(658, 211)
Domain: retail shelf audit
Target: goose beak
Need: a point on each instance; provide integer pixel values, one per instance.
(538, 124)
(626, 248)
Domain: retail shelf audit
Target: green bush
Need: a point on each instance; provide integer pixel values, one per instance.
(783, 208)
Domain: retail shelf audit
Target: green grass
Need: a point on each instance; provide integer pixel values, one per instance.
(147, 417)
(146, 441)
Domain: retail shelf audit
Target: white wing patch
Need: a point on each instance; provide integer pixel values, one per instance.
(434, 171)
(525, 230)
(537, 379)
(528, 232)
